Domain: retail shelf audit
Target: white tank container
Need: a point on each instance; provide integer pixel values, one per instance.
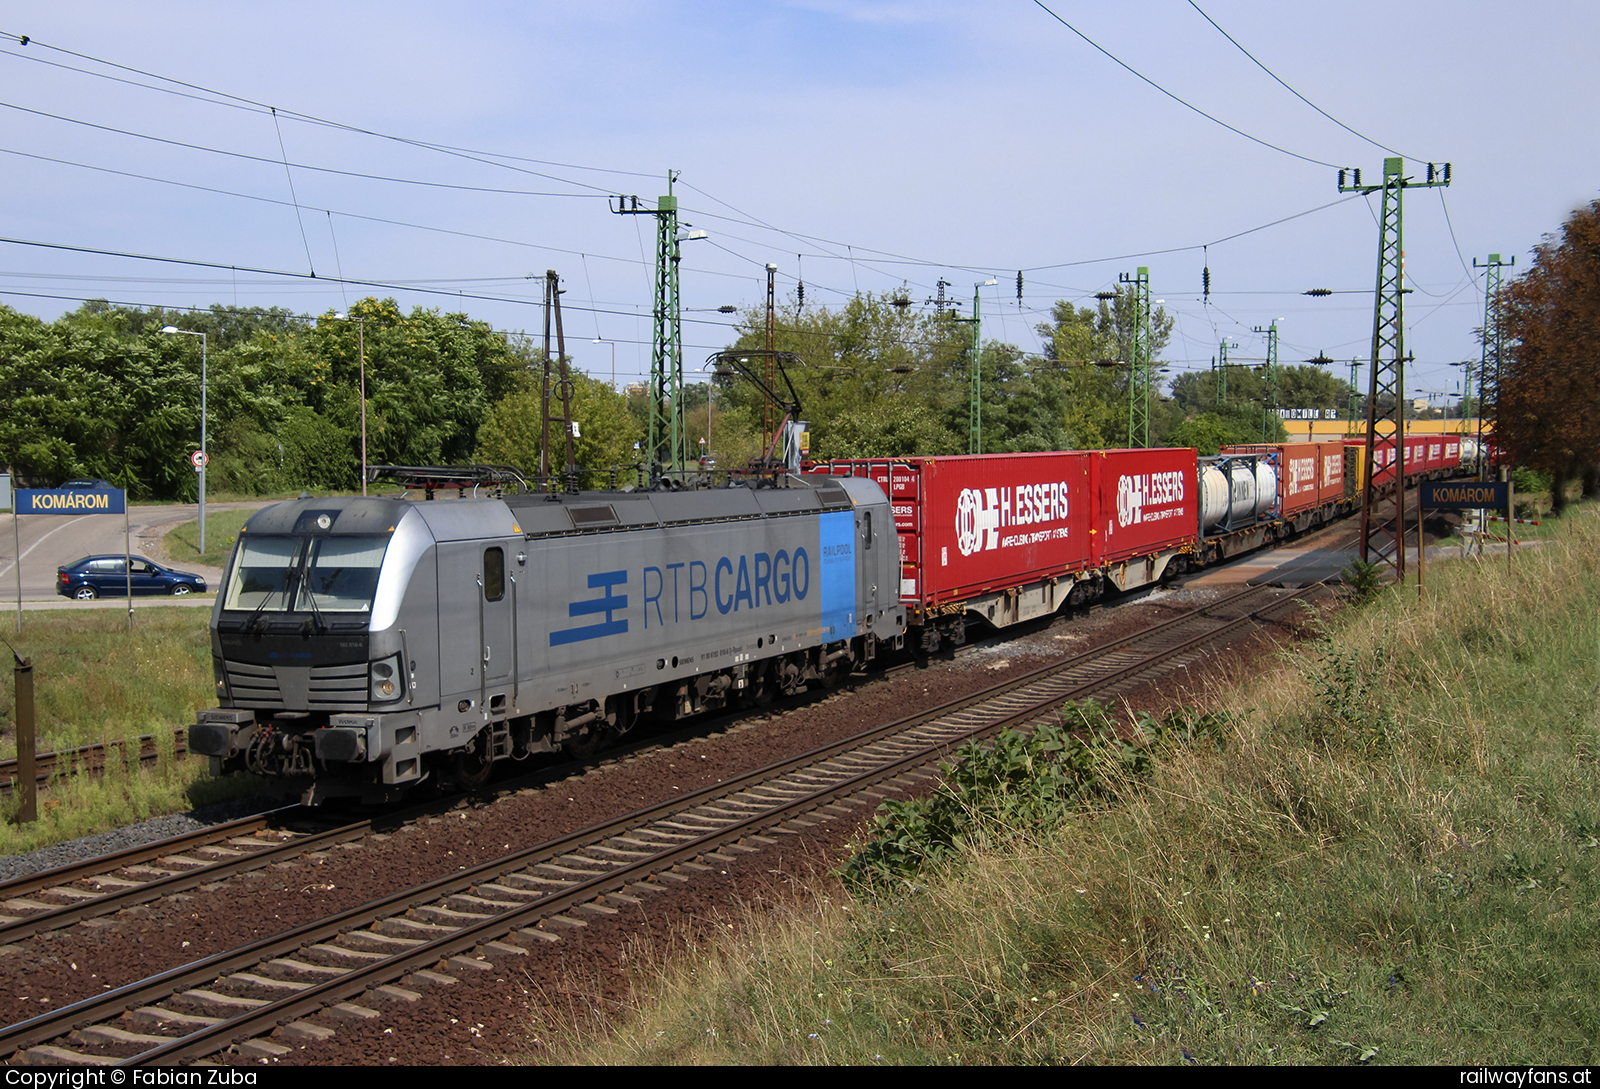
(1236, 490)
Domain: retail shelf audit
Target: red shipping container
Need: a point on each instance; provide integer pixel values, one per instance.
(1310, 474)
(979, 524)
(1147, 502)
(1423, 454)
(1330, 475)
(1383, 458)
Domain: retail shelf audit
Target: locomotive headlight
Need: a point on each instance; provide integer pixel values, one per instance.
(388, 681)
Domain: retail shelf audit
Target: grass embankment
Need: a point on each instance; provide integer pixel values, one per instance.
(95, 681)
(182, 542)
(1389, 857)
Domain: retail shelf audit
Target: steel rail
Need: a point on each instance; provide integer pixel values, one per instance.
(107, 902)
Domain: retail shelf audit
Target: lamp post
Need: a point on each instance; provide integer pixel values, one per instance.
(202, 465)
(601, 340)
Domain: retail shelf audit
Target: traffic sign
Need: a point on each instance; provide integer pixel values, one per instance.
(198, 459)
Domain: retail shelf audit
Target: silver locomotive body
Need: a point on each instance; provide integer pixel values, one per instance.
(364, 646)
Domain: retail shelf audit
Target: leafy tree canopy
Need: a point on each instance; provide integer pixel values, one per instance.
(1547, 400)
(513, 433)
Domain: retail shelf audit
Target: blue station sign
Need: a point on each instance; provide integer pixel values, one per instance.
(71, 501)
(1465, 495)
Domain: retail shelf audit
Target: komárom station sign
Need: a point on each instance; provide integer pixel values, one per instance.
(1465, 495)
(72, 501)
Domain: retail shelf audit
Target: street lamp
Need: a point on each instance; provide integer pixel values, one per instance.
(202, 465)
(361, 350)
(601, 340)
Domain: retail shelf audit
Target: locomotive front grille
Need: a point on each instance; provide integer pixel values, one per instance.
(297, 688)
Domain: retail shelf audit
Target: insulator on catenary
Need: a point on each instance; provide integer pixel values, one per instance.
(1205, 282)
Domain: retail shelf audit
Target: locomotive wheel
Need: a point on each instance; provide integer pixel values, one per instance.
(834, 673)
(762, 690)
(590, 740)
(470, 767)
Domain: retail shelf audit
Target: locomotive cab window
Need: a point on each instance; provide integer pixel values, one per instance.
(342, 573)
(263, 570)
(494, 574)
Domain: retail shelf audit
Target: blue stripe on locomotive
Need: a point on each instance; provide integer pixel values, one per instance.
(837, 533)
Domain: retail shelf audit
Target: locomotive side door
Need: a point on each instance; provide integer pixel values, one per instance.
(495, 619)
(475, 648)
(869, 551)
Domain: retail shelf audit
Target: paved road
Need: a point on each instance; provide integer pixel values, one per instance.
(47, 541)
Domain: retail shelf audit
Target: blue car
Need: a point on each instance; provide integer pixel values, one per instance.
(94, 576)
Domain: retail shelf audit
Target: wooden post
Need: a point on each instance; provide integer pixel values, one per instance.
(1422, 547)
(1511, 527)
(27, 771)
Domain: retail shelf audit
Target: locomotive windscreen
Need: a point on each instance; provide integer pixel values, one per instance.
(316, 574)
(342, 573)
(263, 571)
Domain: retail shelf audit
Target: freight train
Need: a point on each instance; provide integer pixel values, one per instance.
(363, 647)
(999, 539)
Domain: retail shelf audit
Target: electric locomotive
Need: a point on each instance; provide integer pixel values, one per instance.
(364, 646)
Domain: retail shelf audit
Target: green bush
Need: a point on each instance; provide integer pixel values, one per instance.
(1020, 783)
(1530, 480)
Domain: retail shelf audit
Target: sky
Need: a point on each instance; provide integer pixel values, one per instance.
(449, 154)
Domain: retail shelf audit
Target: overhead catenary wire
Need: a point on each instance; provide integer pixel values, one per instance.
(298, 166)
(1297, 94)
(385, 285)
(297, 216)
(335, 211)
(853, 252)
(1180, 101)
(224, 98)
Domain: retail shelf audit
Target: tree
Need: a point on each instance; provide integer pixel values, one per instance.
(512, 434)
(1547, 399)
(877, 354)
(103, 392)
(1078, 338)
(1233, 424)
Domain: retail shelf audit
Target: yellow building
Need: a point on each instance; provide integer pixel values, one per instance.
(1327, 430)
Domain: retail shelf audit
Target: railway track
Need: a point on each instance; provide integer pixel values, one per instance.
(110, 883)
(89, 759)
(299, 983)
